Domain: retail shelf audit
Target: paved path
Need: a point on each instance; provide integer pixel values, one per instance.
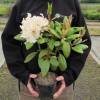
(2, 24)
(1, 53)
(95, 51)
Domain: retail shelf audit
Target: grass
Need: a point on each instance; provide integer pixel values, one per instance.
(94, 31)
(91, 10)
(7, 1)
(94, 28)
(90, 6)
(4, 9)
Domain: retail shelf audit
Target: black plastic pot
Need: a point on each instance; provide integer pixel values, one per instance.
(46, 86)
(46, 92)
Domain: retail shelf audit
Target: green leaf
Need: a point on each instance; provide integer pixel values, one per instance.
(49, 8)
(54, 63)
(79, 48)
(58, 24)
(28, 45)
(62, 62)
(66, 48)
(73, 30)
(30, 57)
(59, 31)
(54, 33)
(65, 18)
(44, 66)
(58, 27)
(52, 25)
(73, 37)
(43, 53)
(51, 44)
(19, 38)
(42, 40)
(84, 46)
(57, 43)
(77, 41)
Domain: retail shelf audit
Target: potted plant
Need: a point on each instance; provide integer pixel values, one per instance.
(60, 39)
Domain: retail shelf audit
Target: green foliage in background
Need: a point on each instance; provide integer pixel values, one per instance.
(7, 1)
(5, 9)
(91, 11)
(90, 1)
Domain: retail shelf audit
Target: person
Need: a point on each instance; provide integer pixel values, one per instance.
(15, 51)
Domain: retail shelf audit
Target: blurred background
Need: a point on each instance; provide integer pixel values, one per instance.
(88, 84)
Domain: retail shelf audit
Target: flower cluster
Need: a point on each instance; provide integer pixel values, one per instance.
(32, 27)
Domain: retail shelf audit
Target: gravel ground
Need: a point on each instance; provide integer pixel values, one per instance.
(88, 83)
(87, 86)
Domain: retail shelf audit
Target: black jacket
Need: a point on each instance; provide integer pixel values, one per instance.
(15, 52)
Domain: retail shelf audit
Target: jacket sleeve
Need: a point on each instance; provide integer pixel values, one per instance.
(77, 61)
(12, 48)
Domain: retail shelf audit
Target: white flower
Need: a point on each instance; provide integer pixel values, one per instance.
(33, 26)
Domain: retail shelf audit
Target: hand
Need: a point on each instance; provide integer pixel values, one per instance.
(61, 88)
(29, 86)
